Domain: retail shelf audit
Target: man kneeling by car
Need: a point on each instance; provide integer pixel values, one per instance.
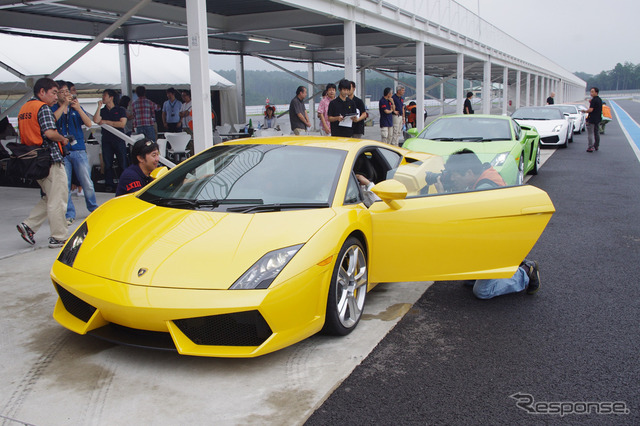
(144, 159)
(465, 172)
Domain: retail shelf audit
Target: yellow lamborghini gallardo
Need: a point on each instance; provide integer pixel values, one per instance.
(253, 245)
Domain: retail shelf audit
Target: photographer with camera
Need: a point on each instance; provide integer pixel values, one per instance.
(463, 171)
(69, 120)
(37, 126)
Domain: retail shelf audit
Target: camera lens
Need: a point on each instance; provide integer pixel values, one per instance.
(431, 177)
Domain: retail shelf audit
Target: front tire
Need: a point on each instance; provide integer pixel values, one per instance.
(520, 175)
(348, 289)
(536, 162)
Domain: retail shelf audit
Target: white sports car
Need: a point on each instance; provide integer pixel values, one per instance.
(554, 127)
(576, 116)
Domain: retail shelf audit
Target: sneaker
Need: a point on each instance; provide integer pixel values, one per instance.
(70, 221)
(26, 233)
(533, 272)
(589, 149)
(55, 243)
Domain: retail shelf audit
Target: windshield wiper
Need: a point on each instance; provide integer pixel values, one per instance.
(458, 139)
(469, 138)
(277, 207)
(195, 204)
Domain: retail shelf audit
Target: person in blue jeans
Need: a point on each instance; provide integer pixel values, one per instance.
(466, 172)
(69, 120)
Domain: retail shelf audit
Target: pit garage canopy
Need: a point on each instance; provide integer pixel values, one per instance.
(433, 37)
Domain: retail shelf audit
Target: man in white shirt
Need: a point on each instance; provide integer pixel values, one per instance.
(185, 112)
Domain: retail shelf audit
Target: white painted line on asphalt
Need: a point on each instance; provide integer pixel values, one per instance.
(625, 120)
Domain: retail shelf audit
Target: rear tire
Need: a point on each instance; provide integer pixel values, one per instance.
(348, 289)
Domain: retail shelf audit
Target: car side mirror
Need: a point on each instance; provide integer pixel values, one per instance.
(413, 132)
(158, 172)
(390, 191)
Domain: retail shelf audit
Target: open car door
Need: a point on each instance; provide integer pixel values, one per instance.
(454, 236)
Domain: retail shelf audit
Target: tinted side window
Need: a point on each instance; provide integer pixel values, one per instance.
(393, 158)
(516, 129)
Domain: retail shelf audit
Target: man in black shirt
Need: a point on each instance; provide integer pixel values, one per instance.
(340, 109)
(358, 126)
(145, 157)
(593, 120)
(550, 100)
(115, 116)
(298, 113)
(468, 109)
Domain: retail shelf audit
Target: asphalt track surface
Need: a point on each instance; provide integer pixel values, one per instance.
(454, 359)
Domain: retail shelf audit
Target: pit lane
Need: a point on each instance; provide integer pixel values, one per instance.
(51, 376)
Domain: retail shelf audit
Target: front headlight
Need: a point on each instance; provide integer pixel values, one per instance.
(70, 251)
(265, 270)
(557, 128)
(499, 159)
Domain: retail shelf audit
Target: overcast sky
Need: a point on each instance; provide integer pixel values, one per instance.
(585, 35)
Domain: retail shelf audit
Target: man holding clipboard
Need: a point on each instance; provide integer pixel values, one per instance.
(342, 112)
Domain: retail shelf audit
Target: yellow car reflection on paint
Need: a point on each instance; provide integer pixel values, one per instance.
(254, 245)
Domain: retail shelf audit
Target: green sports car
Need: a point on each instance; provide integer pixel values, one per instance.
(512, 149)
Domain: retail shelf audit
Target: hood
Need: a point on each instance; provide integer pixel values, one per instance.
(486, 151)
(444, 148)
(186, 248)
(544, 127)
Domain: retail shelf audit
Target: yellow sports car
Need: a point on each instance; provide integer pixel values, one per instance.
(254, 245)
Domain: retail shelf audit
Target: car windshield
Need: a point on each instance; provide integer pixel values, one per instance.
(543, 113)
(472, 129)
(251, 178)
(569, 109)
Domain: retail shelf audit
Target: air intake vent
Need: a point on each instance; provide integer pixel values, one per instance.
(74, 305)
(237, 329)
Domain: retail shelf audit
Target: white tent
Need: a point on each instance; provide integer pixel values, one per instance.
(99, 69)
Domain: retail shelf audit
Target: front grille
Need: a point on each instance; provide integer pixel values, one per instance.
(550, 139)
(74, 305)
(237, 329)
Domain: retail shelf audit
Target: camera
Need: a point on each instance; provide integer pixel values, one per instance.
(431, 178)
(445, 179)
(65, 148)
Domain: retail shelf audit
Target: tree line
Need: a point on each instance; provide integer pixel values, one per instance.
(280, 87)
(621, 77)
